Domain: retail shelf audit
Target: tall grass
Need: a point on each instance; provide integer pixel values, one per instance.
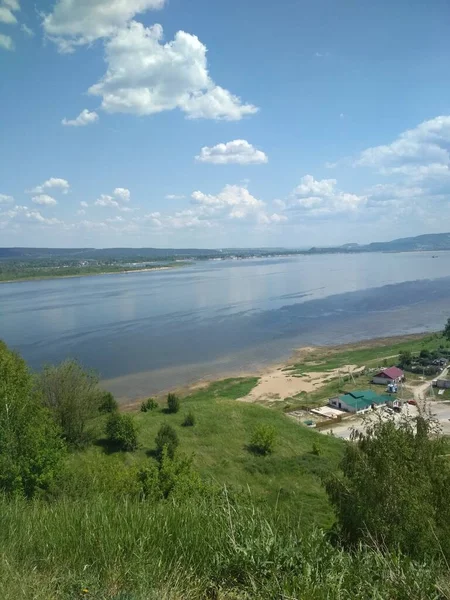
(200, 548)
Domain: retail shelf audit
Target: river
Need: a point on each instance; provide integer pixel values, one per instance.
(145, 332)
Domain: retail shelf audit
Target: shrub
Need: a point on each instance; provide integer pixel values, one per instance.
(149, 404)
(316, 449)
(263, 440)
(189, 420)
(73, 397)
(108, 403)
(173, 403)
(166, 438)
(31, 450)
(121, 431)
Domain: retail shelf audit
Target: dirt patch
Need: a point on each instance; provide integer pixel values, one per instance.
(276, 385)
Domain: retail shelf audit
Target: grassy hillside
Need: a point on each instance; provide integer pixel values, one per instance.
(291, 477)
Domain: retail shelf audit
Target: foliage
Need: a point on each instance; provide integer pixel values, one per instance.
(31, 451)
(149, 405)
(447, 330)
(189, 420)
(405, 359)
(108, 403)
(121, 432)
(172, 477)
(395, 489)
(173, 403)
(166, 438)
(73, 397)
(191, 548)
(263, 440)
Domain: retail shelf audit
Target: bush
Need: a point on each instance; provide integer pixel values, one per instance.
(166, 438)
(31, 450)
(73, 397)
(316, 449)
(189, 420)
(121, 431)
(173, 403)
(263, 440)
(149, 404)
(108, 403)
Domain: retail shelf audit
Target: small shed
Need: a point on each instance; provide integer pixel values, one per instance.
(358, 402)
(391, 375)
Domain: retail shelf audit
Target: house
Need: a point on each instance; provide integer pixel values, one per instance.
(391, 375)
(441, 383)
(358, 402)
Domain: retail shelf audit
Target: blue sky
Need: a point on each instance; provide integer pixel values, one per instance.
(211, 124)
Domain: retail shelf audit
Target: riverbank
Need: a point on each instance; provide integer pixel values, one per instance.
(78, 275)
(306, 374)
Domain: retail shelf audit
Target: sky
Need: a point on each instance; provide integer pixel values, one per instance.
(240, 123)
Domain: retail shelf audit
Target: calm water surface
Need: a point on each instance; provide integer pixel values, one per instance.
(148, 331)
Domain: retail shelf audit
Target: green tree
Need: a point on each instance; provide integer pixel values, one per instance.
(108, 403)
(121, 431)
(263, 440)
(31, 450)
(72, 395)
(405, 358)
(395, 489)
(173, 403)
(166, 438)
(149, 405)
(447, 330)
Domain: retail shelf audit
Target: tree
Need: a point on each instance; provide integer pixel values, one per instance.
(189, 420)
(173, 403)
(263, 440)
(72, 395)
(149, 405)
(405, 358)
(447, 330)
(121, 431)
(395, 489)
(108, 403)
(31, 450)
(166, 438)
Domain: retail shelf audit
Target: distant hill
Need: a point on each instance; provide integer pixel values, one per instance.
(429, 241)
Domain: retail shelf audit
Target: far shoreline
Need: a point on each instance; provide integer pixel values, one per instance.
(130, 402)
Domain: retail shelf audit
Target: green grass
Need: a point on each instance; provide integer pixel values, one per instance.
(371, 355)
(218, 443)
(104, 549)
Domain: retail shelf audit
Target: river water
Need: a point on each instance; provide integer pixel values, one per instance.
(144, 332)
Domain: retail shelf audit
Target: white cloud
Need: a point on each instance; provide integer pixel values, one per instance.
(27, 30)
(236, 152)
(107, 201)
(423, 150)
(4, 199)
(44, 200)
(6, 42)
(7, 16)
(175, 197)
(146, 76)
(322, 198)
(83, 119)
(77, 22)
(122, 194)
(22, 214)
(115, 220)
(114, 201)
(81, 212)
(84, 204)
(53, 183)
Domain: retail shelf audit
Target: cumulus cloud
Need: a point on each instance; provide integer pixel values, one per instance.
(84, 204)
(322, 198)
(424, 149)
(76, 22)
(27, 30)
(236, 152)
(7, 16)
(4, 199)
(22, 214)
(53, 183)
(6, 42)
(44, 200)
(147, 76)
(175, 197)
(83, 119)
(119, 196)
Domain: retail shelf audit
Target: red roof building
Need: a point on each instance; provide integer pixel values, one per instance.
(390, 375)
